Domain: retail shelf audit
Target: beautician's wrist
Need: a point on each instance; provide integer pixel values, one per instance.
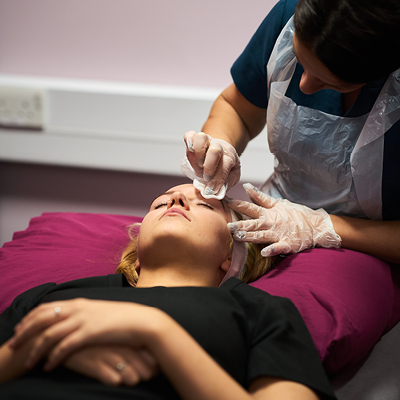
(339, 225)
(330, 237)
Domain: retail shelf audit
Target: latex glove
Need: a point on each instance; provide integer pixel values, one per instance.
(100, 362)
(212, 164)
(285, 226)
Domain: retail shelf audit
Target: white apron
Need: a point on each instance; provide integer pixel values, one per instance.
(324, 160)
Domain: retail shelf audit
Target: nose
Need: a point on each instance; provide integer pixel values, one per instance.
(309, 84)
(178, 199)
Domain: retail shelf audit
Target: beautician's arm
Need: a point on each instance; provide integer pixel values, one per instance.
(237, 121)
(286, 227)
(234, 119)
(377, 238)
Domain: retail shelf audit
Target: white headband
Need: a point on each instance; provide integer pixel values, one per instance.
(239, 257)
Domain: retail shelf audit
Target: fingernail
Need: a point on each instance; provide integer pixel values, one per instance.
(209, 190)
(232, 227)
(267, 251)
(189, 145)
(240, 235)
(249, 186)
(11, 343)
(207, 178)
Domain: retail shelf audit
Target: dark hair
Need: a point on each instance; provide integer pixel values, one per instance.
(358, 40)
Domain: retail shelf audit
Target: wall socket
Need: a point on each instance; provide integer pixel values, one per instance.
(21, 108)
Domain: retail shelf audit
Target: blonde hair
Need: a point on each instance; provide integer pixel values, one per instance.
(256, 265)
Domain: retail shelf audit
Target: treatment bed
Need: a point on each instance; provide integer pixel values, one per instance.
(344, 320)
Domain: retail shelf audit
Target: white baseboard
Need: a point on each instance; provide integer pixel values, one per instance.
(118, 126)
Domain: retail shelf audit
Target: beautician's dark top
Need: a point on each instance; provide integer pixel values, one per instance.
(250, 76)
(247, 331)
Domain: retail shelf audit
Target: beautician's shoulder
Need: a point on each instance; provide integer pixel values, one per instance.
(277, 18)
(249, 70)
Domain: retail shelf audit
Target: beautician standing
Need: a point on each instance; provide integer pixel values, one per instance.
(324, 75)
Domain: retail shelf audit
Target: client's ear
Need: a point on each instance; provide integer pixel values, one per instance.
(137, 266)
(226, 265)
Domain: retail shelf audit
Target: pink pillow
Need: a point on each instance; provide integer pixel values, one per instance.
(59, 247)
(347, 300)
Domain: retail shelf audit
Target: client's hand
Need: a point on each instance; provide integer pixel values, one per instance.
(63, 327)
(285, 226)
(113, 364)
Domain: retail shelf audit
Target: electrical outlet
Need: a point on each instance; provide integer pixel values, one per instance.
(21, 108)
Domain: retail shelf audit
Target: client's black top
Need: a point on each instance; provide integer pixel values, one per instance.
(247, 331)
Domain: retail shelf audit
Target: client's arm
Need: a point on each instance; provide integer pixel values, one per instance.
(101, 362)
(97, 362)
(197, 377)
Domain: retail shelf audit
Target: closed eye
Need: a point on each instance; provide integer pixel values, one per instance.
(205, 205)
(160, 205)
(200, 203)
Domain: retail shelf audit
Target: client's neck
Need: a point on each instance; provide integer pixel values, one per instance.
(176, 275)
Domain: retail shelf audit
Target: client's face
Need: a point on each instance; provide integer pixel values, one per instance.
(181, 222)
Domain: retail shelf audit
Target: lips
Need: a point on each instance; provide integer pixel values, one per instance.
(175, 211)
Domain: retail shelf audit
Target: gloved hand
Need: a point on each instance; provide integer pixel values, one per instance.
(213, 164)
(285, 226)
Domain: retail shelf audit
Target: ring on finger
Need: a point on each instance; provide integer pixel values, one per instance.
(57, 310)
(120, 367)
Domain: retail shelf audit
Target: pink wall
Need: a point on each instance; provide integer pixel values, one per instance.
(173, 42)
(183, 42)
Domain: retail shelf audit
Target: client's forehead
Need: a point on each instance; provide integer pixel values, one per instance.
(186, 187)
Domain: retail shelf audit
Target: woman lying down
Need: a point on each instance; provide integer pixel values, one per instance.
(165, 328)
